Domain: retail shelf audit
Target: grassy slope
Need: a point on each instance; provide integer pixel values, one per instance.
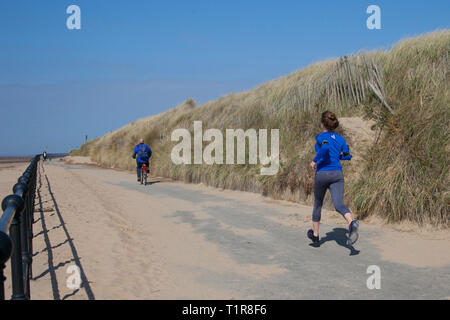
(405, 174)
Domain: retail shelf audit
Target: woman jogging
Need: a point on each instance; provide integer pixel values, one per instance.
(330, 149)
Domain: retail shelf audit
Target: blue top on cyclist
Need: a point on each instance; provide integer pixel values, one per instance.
(330, 149)
(142, 152)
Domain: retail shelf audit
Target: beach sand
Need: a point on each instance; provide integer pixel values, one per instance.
(133, 245)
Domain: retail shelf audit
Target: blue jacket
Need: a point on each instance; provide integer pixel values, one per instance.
(330, 149)
(142, 153)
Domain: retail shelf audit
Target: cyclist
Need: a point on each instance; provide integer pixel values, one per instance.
(142, 154)
(330, 149)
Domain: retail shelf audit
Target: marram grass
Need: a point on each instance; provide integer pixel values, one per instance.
(404, 175)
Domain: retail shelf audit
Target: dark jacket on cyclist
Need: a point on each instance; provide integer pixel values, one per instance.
(142, 153)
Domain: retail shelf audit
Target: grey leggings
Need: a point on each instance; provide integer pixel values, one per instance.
(333, 180)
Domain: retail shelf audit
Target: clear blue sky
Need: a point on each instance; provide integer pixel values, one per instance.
(132, 59)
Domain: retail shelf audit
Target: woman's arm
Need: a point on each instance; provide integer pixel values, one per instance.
(345, 152)
(321, 150)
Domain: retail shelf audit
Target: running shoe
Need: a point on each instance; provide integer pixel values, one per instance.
(353, 232)
(311, 236)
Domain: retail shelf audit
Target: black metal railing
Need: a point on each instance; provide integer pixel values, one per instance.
(16, 233)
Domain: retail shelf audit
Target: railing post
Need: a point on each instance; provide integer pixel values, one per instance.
(2, 282)
(21, 189)
(26, 257)
(16, 260)
(16, 257)
(30, 219)
(5, 254)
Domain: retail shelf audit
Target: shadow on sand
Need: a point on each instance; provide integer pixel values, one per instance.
(149, 183)
(340, 236)
(52, 267)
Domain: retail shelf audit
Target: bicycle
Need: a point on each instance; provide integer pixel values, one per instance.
(144, 174)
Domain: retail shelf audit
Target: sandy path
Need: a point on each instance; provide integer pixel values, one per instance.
(177, 241)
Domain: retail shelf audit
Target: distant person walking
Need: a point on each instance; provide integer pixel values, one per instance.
(330, 149)
(142, 154)
(44, 155)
